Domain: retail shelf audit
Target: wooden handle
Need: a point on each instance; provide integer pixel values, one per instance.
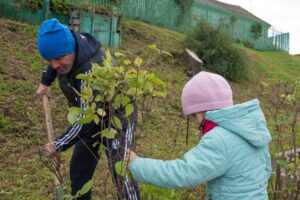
(50, 132)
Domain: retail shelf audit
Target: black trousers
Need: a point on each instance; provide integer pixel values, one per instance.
(85, 158)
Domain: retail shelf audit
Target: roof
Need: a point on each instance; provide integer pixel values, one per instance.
(233, 8)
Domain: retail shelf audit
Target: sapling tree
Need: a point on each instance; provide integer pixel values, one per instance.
(109, 94)
(283, 100)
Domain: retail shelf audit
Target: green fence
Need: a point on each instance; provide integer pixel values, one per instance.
(162, 13)
(168, 14)
(102, 26)
(18, 10)
(105, 3)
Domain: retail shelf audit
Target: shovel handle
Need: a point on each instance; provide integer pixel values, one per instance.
(50, 132)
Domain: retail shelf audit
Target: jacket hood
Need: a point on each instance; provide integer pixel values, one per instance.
(245, 120)
(86, 48)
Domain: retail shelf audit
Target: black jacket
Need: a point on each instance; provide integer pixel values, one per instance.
(88, 51)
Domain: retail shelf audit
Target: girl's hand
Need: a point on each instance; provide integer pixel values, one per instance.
(131, 155)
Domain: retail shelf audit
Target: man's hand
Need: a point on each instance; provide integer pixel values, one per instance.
(42, 90)
(49, 150)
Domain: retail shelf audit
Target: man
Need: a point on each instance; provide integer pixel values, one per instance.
(68, 54)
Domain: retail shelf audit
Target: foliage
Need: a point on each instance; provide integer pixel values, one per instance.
(116, 88)
(184, 6)
(284, 109)
(121, 168)
(256, 30)
(34, 4)
(5, 124)
(85, 188)
(152, 192)
(216, 48)
(59, 6)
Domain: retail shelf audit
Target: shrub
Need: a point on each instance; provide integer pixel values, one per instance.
(218, 51)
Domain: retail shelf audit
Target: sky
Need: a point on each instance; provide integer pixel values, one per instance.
(284, 15)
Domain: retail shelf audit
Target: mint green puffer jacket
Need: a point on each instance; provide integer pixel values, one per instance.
(233, 158)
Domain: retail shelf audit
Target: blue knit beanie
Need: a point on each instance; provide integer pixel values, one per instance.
(55, 40)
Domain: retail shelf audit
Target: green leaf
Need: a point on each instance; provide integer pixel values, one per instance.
(95, 143)
(129, 110)
(132, 91)
(125, 101)
(101, 112)
(109, 133)
(96, 119)
(94, 105)
(87, 93)
(132, 71)
(99, 97)
(154, 47)
(282, 163)
(73, 114)
(138, 61)
(166, 53)
(88, 116)
(159, 94)
(108, 56)
(102, 149)
(116, 122)
(87, 119)
(81, 76)
(85, 188)
(121, 70)
(111, 93)
(157, 81)
(289, 186)
(118, 54)
(120, 168)
(127, 62)
(148, 87)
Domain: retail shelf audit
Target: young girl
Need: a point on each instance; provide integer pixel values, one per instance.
(232, 157)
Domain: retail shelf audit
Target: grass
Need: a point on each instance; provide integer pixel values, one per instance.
(22, 128)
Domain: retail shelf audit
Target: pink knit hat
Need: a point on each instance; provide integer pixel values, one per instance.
(205, 91)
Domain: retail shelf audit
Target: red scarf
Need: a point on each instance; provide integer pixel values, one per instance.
(207, 126)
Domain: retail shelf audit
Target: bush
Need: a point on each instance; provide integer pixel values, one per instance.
(217, 50)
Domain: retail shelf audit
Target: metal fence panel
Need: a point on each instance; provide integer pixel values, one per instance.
(168, 14)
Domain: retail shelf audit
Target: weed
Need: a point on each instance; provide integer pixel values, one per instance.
(5, 124)
(35, 64)
(149, 192)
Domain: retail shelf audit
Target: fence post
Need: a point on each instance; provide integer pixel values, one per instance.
(45, 10)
